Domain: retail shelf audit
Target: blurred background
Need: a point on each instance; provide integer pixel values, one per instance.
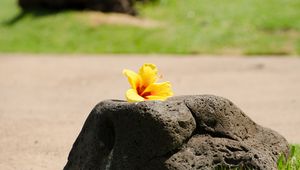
(269, 27)
(59, 58)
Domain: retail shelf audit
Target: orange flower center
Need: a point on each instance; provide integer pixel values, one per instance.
(141, 92)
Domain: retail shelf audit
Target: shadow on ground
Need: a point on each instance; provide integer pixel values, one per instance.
(30, 12)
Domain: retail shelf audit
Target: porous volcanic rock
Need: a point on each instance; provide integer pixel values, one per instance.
(182, 133)
(122, 6)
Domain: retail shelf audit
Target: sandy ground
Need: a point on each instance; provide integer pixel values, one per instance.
(44, 100)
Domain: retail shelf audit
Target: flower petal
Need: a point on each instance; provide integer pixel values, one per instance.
(148, 73)
(132, 96)
(159, 91)
(157, 97)
(133, 78)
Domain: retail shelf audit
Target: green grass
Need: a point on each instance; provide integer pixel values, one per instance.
(293, 162)
(248, 27)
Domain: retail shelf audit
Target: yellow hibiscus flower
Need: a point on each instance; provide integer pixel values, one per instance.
(144, 86)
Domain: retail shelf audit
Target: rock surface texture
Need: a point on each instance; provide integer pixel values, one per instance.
(182, 133)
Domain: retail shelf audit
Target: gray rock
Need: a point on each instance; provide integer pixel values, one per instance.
(185, 132)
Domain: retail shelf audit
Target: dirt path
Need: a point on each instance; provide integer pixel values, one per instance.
(44, 100)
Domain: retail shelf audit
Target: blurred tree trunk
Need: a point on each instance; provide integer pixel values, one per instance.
(122, 6)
